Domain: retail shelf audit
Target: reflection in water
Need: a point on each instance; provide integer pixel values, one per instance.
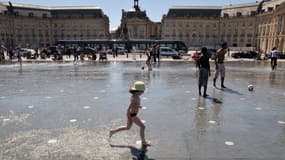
(217, 106)
(156, 65)
(201, 120)
(272, 78)
(76, 71)
(21, 70)
(204, 116)
(138, 154)
(155, 74)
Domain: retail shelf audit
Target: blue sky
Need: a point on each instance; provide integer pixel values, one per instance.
(113, 8)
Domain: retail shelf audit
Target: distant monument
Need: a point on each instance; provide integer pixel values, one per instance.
(136, 6)
(124, 29)
(125, 33)
(135, 24)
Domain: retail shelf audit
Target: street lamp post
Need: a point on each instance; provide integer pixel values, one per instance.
(11, 25)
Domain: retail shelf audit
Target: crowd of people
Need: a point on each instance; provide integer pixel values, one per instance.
(78, 53)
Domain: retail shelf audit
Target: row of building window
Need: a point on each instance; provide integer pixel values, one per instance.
(214, 40)
(40, 39)
(239, 14)
(45, 15)
(203, 25)
(27, 25)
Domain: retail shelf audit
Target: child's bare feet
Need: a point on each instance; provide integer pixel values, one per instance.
(110, 134)
(146, 143)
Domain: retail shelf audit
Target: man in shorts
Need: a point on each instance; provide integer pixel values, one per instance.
(204, 71)
(220, 66)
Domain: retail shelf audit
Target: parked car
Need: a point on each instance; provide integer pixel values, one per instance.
(88, 50)
(280, 55)
(262, 56)
(121, 50)
(91, 53)
(27, 53)
(248, 54)
(166, 51)
(237, 55)
(102, 55)
(110, 51)
(212, 53)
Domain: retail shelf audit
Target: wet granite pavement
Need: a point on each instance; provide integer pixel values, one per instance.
(64, 111)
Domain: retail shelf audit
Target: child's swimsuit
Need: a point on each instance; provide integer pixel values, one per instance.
(137, 101)
(133, 114)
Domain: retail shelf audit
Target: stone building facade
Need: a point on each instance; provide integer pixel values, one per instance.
(259, 25)
(39, 26)
(195, 26)
(3, 27)
(211, 26)
(271, 27)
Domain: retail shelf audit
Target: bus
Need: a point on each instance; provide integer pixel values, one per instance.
(179, 46)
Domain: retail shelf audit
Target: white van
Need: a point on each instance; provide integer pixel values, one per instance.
(166, 51)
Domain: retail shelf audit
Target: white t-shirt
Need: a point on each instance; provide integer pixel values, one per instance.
(274, 54)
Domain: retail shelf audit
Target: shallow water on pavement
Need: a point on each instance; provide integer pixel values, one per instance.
(64, 111)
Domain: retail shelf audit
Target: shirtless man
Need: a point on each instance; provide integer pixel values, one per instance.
(220, 66)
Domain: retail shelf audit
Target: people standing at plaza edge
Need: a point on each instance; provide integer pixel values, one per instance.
(153, 51)
(134, 52)
(116, 51)
(19, 56)
(132, 112)
(158, 52)
(2, 54)
(204, 71)
(273, 58)
(10, 54)
(220, 66)
(196, 57)
(76, 54)
(148, 59)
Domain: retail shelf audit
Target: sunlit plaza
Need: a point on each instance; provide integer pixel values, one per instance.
(65, 111)
(66, 73)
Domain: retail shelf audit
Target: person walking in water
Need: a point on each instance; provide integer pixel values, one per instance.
(220, 66)
(204, 71)
(148, 60)
(132, 112)
(76, 54)
(19, 56)
(273, 58)
(134, 52)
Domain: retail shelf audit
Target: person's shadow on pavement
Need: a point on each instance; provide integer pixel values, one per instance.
(231, 91)
(138, 154)
(215, 100)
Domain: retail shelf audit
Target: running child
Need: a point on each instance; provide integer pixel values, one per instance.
(137, 90)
